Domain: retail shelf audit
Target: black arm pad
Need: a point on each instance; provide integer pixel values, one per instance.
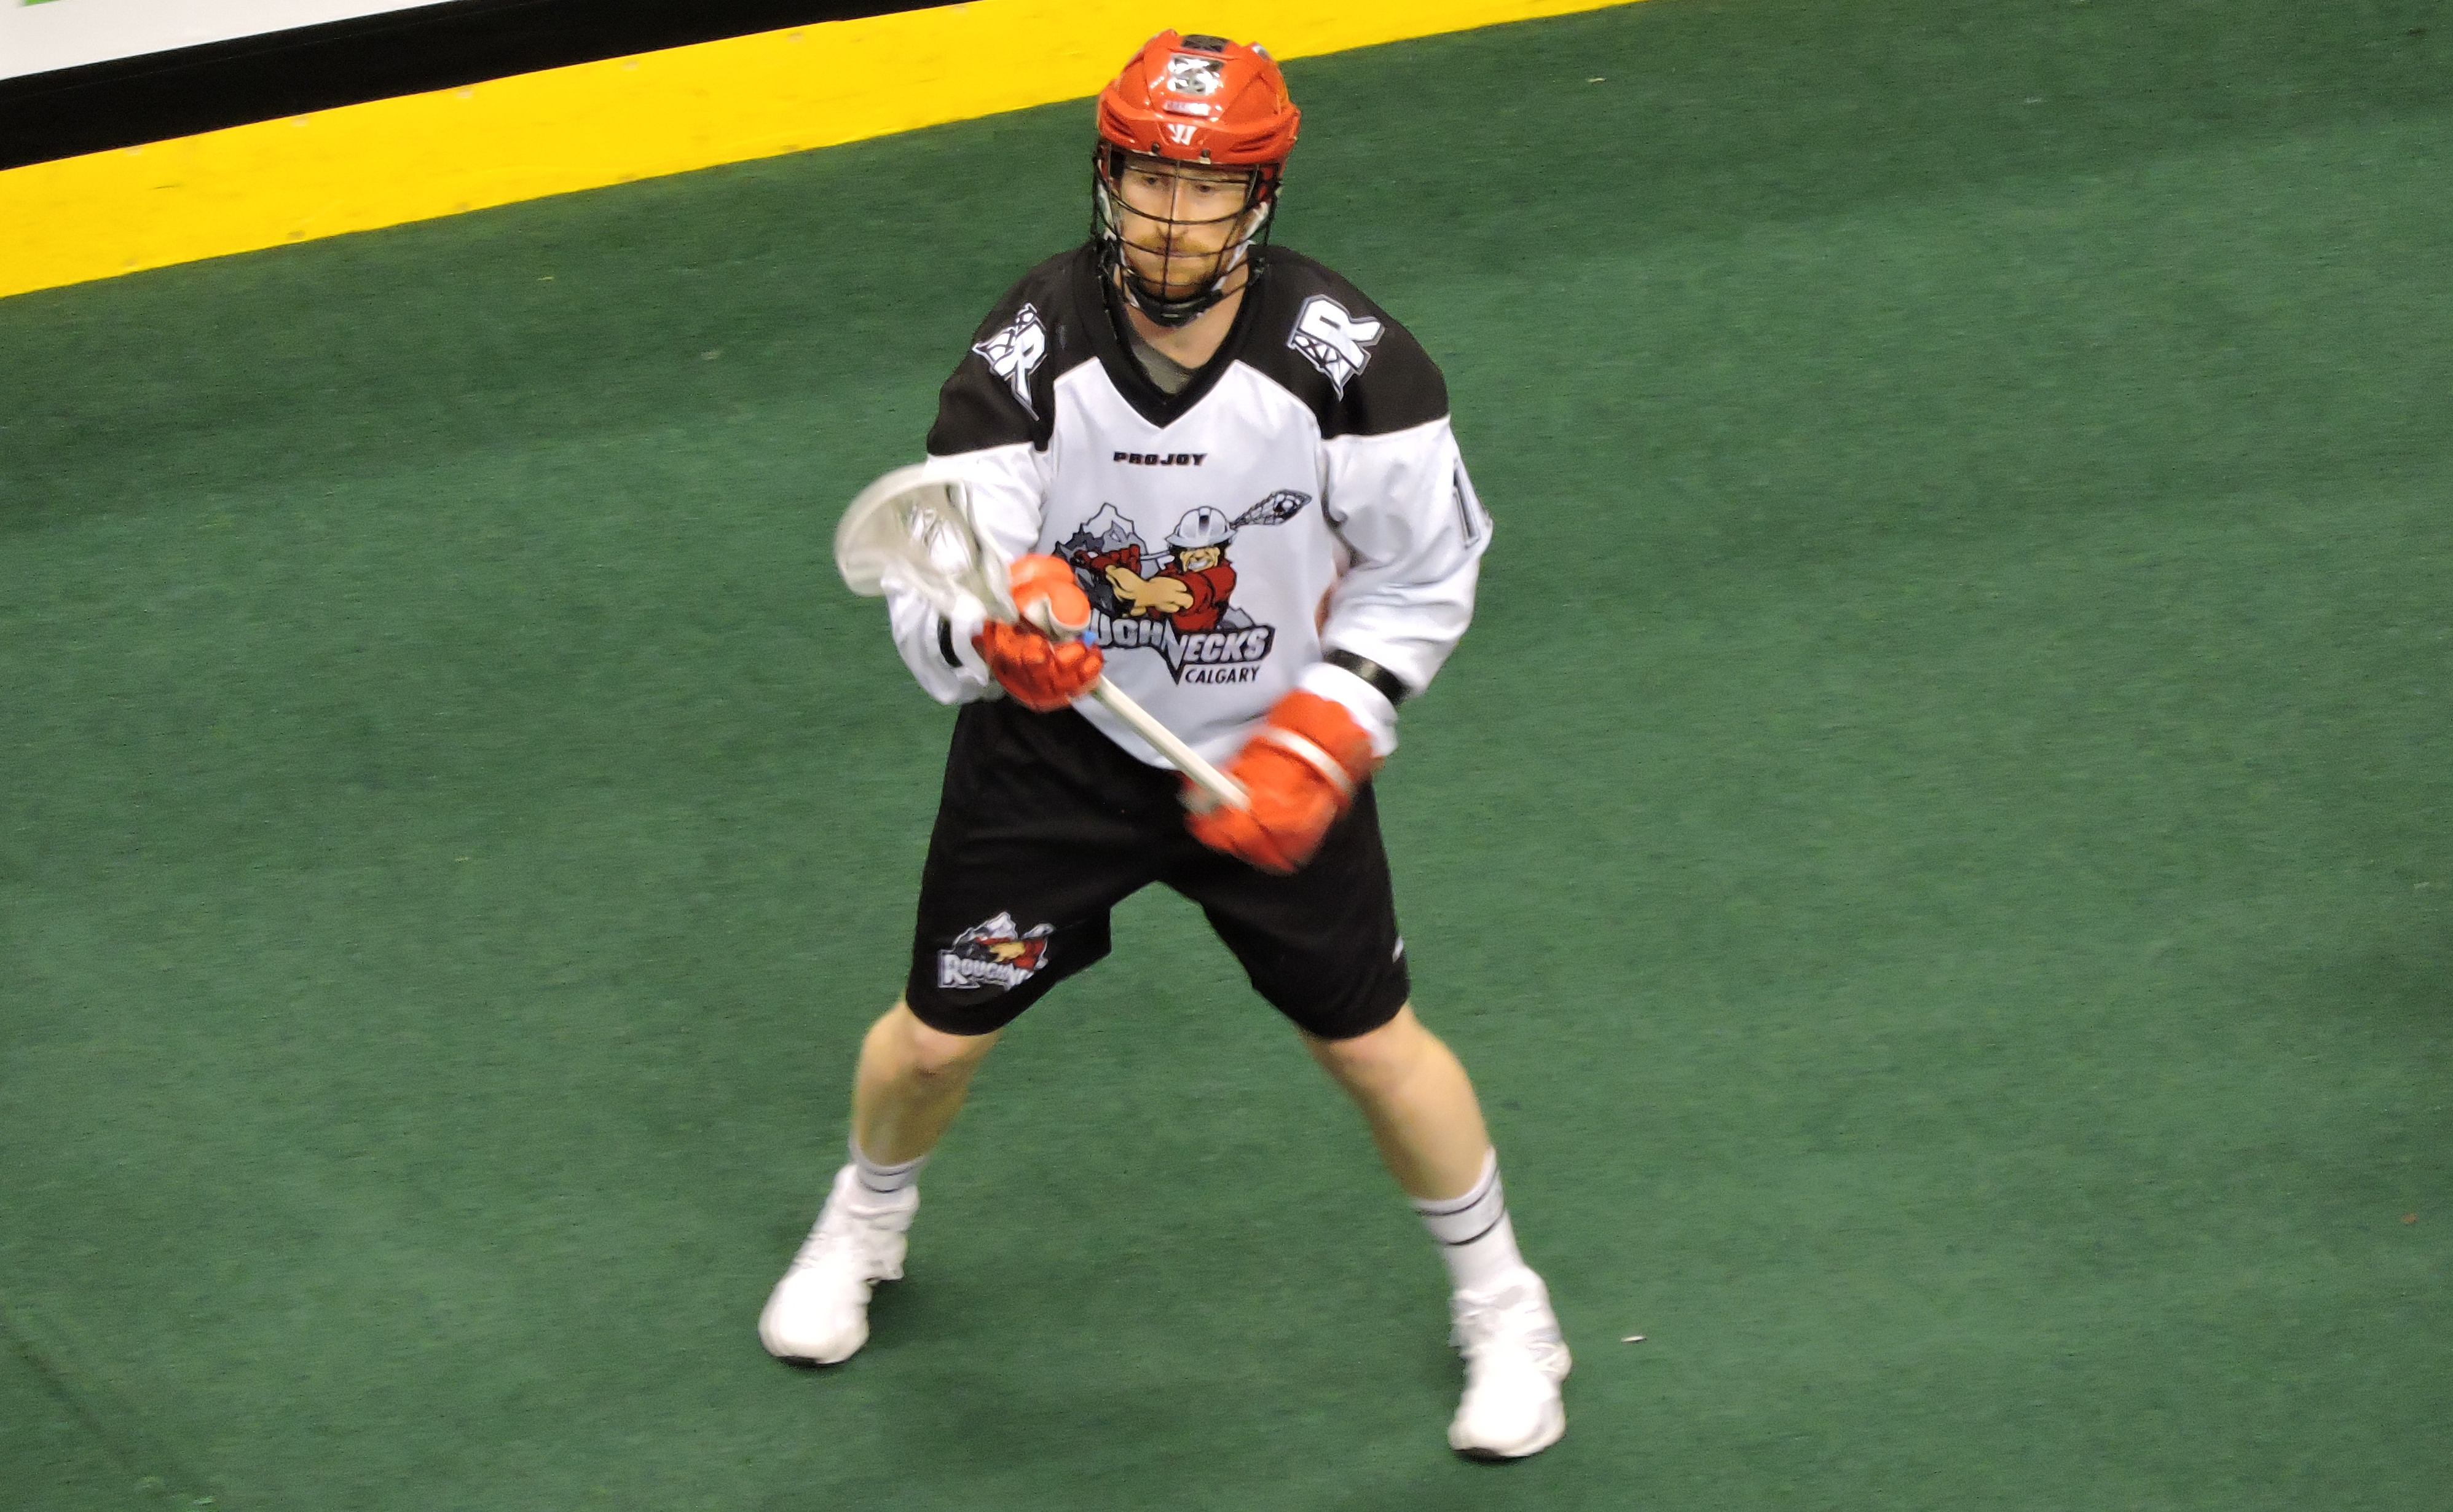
(1391, 687)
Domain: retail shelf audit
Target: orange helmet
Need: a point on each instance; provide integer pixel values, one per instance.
(1214, 114)
(1201, 100)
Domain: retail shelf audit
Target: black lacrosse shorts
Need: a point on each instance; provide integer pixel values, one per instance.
(1046, 825)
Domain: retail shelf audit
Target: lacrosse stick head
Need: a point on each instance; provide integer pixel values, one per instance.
(913, 531)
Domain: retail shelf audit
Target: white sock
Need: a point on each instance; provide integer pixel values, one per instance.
(886, 1181)
(1475, 1237)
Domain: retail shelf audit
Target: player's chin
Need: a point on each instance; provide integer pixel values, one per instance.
(1176, 277)
(1174, 288)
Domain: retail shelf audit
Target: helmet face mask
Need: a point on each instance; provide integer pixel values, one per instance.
(1172, 234)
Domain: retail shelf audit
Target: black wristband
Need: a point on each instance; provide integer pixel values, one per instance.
(946, 643)
(1391, 687)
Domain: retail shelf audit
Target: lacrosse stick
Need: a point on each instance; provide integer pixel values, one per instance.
(911, 531)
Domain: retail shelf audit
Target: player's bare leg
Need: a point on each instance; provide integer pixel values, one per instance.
(1419, 1102)
(908, 1087)
(1429, 1125)
(912, 1082)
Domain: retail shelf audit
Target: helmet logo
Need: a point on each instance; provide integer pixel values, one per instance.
(1186, 75)
(1180, 133)
(1330, 337)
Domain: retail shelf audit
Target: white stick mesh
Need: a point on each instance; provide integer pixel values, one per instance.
(915, 531)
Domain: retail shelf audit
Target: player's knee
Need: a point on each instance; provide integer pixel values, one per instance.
(936, 1055)
(1386, 1053)
(900, 1041)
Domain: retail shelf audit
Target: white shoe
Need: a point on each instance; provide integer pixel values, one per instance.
(818, 1314)
(1514, 1360)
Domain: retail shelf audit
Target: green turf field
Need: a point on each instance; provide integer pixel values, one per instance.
(1939, 849)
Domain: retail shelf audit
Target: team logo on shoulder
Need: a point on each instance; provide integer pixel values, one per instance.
(1178, 602)
(1333, 341)
(994, 954)
(1015, 353)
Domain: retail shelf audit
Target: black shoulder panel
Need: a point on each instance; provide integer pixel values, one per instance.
(1004, 390)
(1323, 342)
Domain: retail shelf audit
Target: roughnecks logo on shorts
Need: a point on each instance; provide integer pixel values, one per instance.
(1178, 602)
(996, 954)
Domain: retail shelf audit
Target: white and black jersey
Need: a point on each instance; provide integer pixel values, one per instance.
(1303, 495)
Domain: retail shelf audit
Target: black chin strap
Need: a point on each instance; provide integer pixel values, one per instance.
(1173, 314)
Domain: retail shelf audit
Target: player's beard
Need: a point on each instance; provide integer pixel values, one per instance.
(1174, 273)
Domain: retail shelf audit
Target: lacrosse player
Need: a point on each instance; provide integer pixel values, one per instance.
(1226, 480)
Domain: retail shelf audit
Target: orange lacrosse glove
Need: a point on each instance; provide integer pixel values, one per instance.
(1043, 661)
(1300, 768)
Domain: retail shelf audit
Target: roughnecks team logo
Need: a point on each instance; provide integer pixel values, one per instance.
(1332, 339)
(1013, 354)
(1179, 602)
(994, 954)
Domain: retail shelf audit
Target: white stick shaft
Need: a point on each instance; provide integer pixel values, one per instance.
(1188, 760)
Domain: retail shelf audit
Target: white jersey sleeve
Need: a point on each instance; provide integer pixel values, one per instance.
(938, 651)
(1007, 489)
(1403, 506)
(991, 433)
